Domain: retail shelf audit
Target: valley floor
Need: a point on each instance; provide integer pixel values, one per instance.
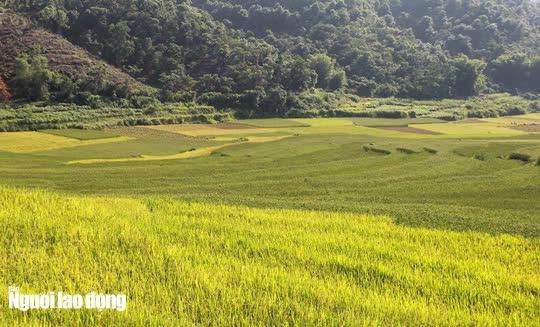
(304, 221)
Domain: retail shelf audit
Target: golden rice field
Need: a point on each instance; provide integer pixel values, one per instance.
(209, 264)
(28, 142)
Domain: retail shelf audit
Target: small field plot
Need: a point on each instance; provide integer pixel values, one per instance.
(187, 154)
(382, 122)
(411, 130)
(80, 134)
(200, 130)
(272, 123)
(531, 116)
(474, 130)
(142, 142)
(29, 142)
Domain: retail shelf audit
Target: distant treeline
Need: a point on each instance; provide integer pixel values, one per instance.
(258, 56)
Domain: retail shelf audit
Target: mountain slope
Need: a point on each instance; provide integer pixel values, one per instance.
(18, 35)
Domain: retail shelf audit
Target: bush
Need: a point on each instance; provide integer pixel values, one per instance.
(432, 151)
(519, 156)
(406, 151)
(376, 150)
(479, 156)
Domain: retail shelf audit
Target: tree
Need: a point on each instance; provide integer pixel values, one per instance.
(31, 78)
(338, 80)
(323, 65)
(469, 78)
(41, 77)
(510, 70)
(121, 43)
(534, 75)
(22, 77)
(301, 77)
(275, 103)
(425, 30)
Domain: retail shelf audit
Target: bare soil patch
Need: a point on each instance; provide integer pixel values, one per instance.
(232, 126)
(145, 133)
(528, 128)
(412, 130)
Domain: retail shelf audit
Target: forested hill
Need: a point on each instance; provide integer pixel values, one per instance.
(240, 53)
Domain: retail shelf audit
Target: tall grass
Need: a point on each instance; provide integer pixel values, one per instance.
(184, 264)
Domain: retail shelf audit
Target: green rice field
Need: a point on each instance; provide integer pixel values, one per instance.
(323, 221)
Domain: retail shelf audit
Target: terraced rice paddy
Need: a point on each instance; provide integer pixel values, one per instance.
(28, 142)
(293, 224)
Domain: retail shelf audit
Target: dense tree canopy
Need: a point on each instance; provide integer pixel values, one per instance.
(413, 48)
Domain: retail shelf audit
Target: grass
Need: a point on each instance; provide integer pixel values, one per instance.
(80, 134)
(209, 264)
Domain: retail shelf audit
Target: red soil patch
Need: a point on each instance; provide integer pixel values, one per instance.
(412, 130)
(5, 94)
(18, 35)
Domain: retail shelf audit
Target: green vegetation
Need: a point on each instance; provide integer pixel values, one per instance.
(264, 59)
(296, 216)
(38, 116)
(519, 156)
(406, 151)
(232, 162)
(324, 168)
(183, 264)
(376, 150)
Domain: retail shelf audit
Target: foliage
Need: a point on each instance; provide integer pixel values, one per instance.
(261, 57)
(376, 150)
(519, 156)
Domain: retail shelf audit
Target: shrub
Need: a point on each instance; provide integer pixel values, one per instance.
(406, 151)
(376, 150)
(432, 151)
(537, 163)
(479, 156)
(519, 156)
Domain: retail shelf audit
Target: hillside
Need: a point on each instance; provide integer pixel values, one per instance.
(261, 58)
(18, 35)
